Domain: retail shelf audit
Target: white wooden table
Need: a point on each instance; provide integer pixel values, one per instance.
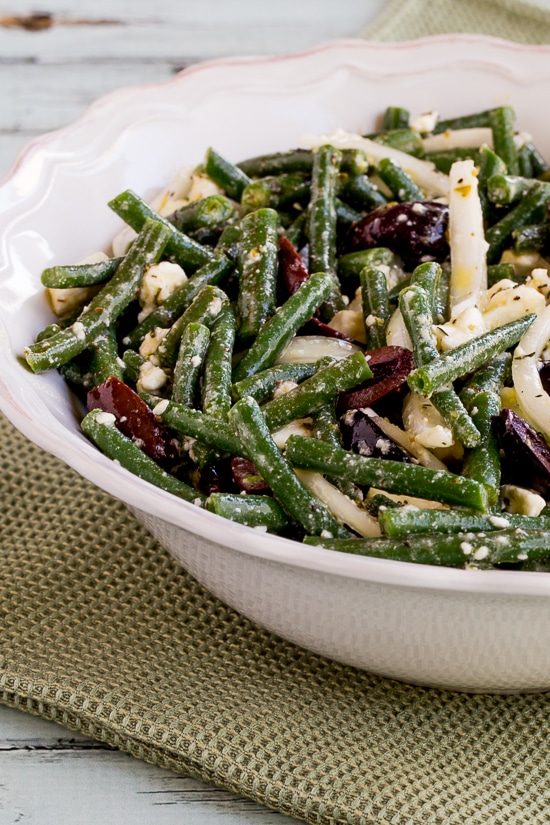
(51, 68)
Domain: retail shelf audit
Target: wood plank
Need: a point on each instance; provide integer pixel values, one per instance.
(51, 775)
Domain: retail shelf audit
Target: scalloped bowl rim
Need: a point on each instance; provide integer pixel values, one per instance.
(133, 491)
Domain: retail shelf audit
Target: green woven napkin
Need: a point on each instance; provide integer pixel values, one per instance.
(511, 19)
(103, 632)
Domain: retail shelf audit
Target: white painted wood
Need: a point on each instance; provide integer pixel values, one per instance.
(50, 775)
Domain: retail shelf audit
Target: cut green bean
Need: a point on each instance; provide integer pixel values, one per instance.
(502, 124)
(276, 192)
(490, 377)
(482, 463)
(262, 385)
(490, 165)
(406, 521)
(468, 357)
(69, 277)
(428, 276)
(134, 211)
(132, 364)
(498, 272)
(376, 306)
(530, 238)
(105, 307)
(360, 192)
(321, 227)
(315, 392)
(390, 476)
(105, 361)
(192, 349)
(350, 265)
(225, 174)
(251, 429)
(257, 266)
(444, 158)
(406, 140)
(100, 428)
(345, 215)
(204, 309)
(395, 117)
(283, 325)
(254, 511)
(216, 384)
(506, 189)
(195, 424)
(399, 181)
(512, 546)
(325, 427)
(296, 232)
(526, 211)
(205, 212)
(471, 121)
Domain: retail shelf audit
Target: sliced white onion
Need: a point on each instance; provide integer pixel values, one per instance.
(424, 423)
(422, 455)
(411, 501)
(422, 172)
(301, 426)
(459, 139)
(466, 238)
(532, 398)
(397, 334)
(306, 349)
(342, 508)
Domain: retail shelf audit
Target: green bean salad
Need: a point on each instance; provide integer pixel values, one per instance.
(346, 344)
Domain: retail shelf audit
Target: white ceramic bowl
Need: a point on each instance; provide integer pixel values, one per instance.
(470, 630)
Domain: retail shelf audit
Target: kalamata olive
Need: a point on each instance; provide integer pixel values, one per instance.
(292, 271)
(134, 419)
(527, 455)
(317, 327)
(362, 435)
(246, 476)
(217, 478)
(390, 367)
(416, 231)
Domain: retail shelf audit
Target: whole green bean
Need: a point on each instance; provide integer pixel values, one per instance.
(100, 428)
(105, 307)
(192, 349)
(225, 174)
(79, 275)
(257, 266)
(401, 522)
(216, 384)
(390, 476)
(282, 326)
(251, 429)
(134, 211)
(313, 393)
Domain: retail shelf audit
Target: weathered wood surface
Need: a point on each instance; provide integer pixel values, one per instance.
(54, 64)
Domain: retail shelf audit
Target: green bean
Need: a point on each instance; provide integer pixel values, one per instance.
(325, 428)
(489, 165)
(471, 121)
(414, 304)
(279, 163)
(376, 306)
(490, 377)
(468, 357)
(225, 174)
(205, 212)
(132, 364)
(498, 272)
(395, 117)
(254, 511)
(204, 309)
(394, 292)
(399, 181)
(211, 274)
(502, 124)
(296, 232)
(345, 215)
(195, 424)
(192, 349)
(101, 429)
(482, 463)
(506, 189)
(406, 140)
(390, 476)
(251, 429)
(539, 164)
(134, 211)
(315, 392)
(525, 162)
(105, 361)
(262, 385)
(105, 307)
(228, 242)
(502, 547)
(257, 265)
(443, 159)
(406, 521)
(428, 276)
(530, 238)
(350, 265)
(360, 192)
(321, 226)
(216, 384)
(68, 277)
(281, 327)
(276, 192)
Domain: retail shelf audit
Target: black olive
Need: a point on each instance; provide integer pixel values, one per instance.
(362, 435)
(527, 455)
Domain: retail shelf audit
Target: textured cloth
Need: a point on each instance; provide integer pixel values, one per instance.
(104, 633)
(511, 19)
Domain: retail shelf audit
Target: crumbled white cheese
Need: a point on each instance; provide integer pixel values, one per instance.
(425, 123)
(466, 548)
(499, 522)
(161, 407)
(481, 553)
(79, 331)
(283, 387)
(106, 418)
(521, 501)
(150, 343)
(151, 378)
(159, 282)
